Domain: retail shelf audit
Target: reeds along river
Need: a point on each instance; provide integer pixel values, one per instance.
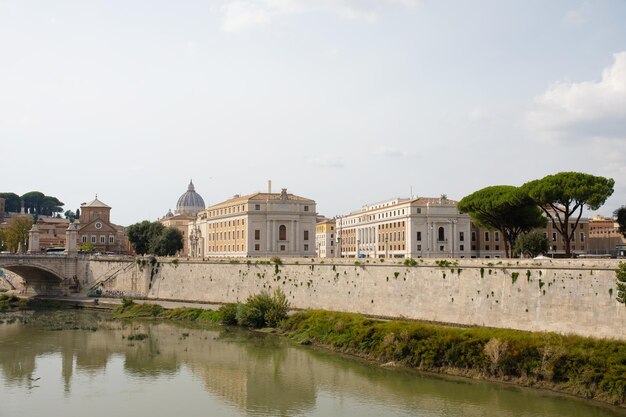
(69, 363)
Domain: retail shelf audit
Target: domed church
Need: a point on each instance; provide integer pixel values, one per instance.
(190, 203)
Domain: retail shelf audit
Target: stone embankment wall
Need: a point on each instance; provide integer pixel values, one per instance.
(565, 296)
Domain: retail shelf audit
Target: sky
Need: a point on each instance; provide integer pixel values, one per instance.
(347, 102)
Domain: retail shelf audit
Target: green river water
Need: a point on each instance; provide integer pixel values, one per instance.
(77, 363)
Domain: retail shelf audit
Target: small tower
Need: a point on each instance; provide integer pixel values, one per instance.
(33, 239)
(71, 236)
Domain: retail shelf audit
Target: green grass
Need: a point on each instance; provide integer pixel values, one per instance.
(130, 309)
(585, 367)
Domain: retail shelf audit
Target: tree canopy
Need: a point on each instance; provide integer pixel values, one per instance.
(13, 202)
(153, 237)
(620, 218)
(531, 244)
(35, 202)
(564, 195)
(168, 242)
(505, 208)
(16, 233)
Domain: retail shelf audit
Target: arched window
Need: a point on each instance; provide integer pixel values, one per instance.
(282, 232)
(442, 234)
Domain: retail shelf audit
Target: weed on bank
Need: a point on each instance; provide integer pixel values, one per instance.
(590, 368)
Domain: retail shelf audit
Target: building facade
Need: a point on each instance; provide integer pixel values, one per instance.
(255, 225)
(2, 208)
(405, 228)
(95, 228)
(325, 238)
(604, 236)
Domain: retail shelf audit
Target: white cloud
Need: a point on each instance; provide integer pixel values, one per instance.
(241, 15)
(583, 110)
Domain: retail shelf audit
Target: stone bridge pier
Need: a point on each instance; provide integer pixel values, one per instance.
(45, 274)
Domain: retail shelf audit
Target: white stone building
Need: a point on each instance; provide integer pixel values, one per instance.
(405, 228)
(255, 225)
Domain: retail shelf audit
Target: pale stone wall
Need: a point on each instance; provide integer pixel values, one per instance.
(566, 296)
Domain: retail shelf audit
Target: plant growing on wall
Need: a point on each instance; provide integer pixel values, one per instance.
(620, 274)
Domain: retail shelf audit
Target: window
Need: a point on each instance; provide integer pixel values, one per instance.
(496, 236)
(554, 236)
(582, 237)
(257, 207)
(486, 236)
(282, 247)
(461, 237)
(419, 237)
(257, 246)
(442, 234)
(462, 247)
(306, 247)
(282, 233)
(84, 239)
(419, 247)
(418, 210)
(306, 208)
(93, 239)
(441, 248)
(306, 236)
(487, 247)
(497, 247)
(111, 239)
(257, 234)
(473, 236)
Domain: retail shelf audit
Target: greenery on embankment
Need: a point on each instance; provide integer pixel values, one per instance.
(8, 301)
(261, 310)
(129, 309)
(590, 368)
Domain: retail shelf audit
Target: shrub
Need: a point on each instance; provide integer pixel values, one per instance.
(410, 262)
(276, 260)
(263, 310)
(228, 313)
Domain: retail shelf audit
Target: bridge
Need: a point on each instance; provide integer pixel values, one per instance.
(45, 274)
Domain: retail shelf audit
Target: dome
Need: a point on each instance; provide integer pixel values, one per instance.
(169, 214)
(190, 203)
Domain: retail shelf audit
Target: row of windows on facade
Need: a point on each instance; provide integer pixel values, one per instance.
(441, 235)
(102, 239)
(282, 248)
(282, 233)
(230, 223)
(442, 248)
(237, 209)
(378, 216)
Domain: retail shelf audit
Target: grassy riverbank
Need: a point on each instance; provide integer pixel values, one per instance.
(594, 369)
(585, 367)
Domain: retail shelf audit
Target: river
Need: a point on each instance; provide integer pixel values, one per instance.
(80, 363)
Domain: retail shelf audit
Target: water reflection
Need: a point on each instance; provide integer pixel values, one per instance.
(158, 367)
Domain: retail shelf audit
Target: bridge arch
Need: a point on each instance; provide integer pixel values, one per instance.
(41, 276)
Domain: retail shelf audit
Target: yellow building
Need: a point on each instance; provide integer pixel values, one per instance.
(325, 235)
(255, 225)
